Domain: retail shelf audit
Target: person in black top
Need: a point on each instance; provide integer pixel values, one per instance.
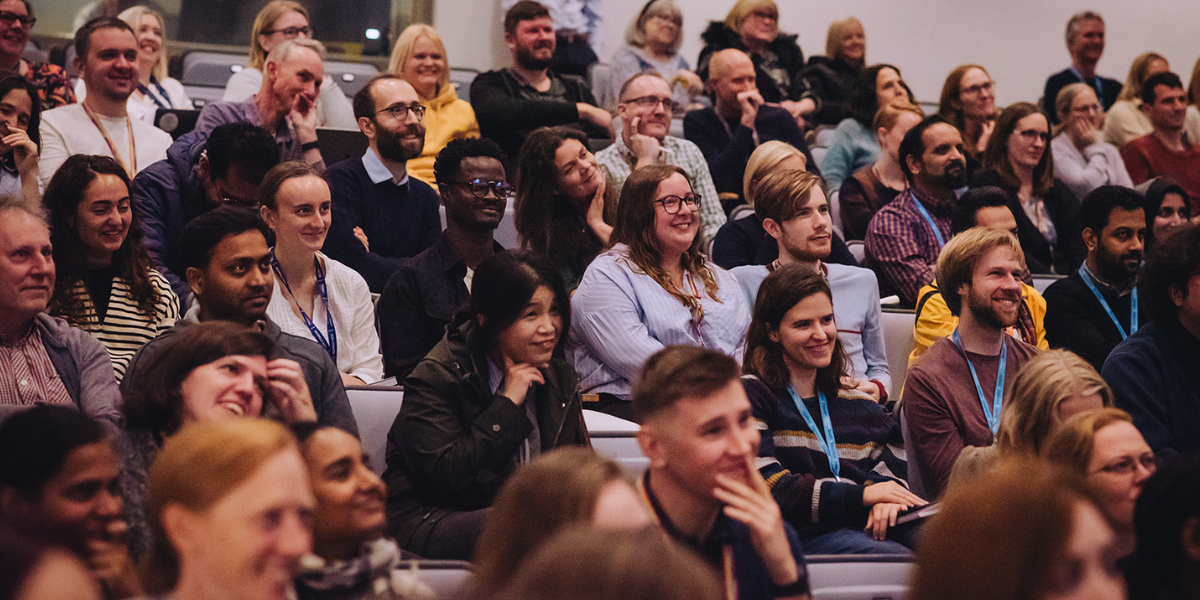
(1085, 42)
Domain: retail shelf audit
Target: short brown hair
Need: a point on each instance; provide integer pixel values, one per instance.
(525, 10)
(780, 195)
(956, 264)
(1071, 446)
(678, 372)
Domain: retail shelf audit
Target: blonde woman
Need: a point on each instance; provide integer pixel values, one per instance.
(833, 77)
(419, 57)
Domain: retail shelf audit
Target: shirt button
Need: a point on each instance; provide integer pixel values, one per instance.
(495, 427)
(24, 382)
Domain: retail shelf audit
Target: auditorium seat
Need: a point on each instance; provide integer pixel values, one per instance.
(445, 578)
(857, 577)
(461, 79)
(350, 76)
(898, 343)
(375, 410)
(915, 483)
(616, 439)
(1041, 282)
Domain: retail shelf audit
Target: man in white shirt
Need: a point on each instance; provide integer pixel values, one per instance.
(108, 64)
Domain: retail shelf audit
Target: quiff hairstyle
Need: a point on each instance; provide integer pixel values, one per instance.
(956, 264)
(780, 195)
(678, 372)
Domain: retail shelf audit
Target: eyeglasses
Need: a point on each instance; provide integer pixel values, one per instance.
(400, 112)
(651, 102)
(291, 32)
(1033, 135)
(671, 204)
(977, 89)
(9, 18)
(479, 187)
(1126, 465)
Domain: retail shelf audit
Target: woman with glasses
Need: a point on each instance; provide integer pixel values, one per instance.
(278, 21)
(315, 296)
(1017, 161)
(51, 81)
(968, 102)
(652, 288)
(1082, 159)
(652, 44)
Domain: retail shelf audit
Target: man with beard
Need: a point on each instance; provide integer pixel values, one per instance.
(510, 103)
(380, 214)
(1096, 307)
(1085, 42)
(108, 65)
(954, 392)
(904, 238)
(285, 105)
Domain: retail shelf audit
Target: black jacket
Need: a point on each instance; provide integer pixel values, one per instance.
(727, 156)
(1063, 207)
(719, 37)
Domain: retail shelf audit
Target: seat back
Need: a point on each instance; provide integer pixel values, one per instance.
(856, 577)
(375, 410)
(898, 342)
(461, 79)
(858, 249)
(1041, 282)
(350, 76)
(211, 69)
(446, 578)
(835, 211)
(616, 439)
(600, 74)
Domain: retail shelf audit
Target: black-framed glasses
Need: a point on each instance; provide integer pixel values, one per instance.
(652, 101)
(291, 32)
(238, 202)
(1033, 135)
(671, 204)
(479, 187)
(8, 18)
(400, 112)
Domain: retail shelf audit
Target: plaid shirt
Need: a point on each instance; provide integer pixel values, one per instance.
(27, 376)
(902, 249)
(680, 153)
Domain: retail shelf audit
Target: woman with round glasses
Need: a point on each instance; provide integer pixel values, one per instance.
(968, 102)
(51, 81)
(278, 21)
(653, 288)
(1082, 159)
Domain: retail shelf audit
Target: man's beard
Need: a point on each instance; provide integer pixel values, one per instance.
(983, 309)
(394, 147)
(954, 176)
(1112, 268)
(528, 61)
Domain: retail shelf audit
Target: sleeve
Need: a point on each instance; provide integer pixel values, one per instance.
(149, 196)
(340, 244)
(838, 163)
(732, 247)
(402, 326)
(366, 360)
(1094, 172)
(100, 397)
(1137, 385)
(1136, 163)
(1049, 97)
(167, 311)
(874, 352)
(502, 114)
(430, 204)
(896, 256)
(712, 216)
(727, 160)
(329, 399)
(609, 321)
(935, 438)
(1069, 324)
(210, 117)
(1037, 311)
(53, 152)
(1121, 124)
(334, 108)
(856, 213)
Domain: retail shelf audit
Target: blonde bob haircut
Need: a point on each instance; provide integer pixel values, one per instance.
(635, 34)
(1030, 412)
(133, 16)
(837, 32)
(743, 8)
(403, 50)
(763, 160)
(264, 21)
(1132, 91)
(956, 264)
(1071, 446)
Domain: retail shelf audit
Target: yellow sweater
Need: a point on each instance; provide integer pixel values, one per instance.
(446, 118)
(935, 322)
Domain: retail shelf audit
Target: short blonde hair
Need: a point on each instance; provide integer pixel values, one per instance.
(635, 34)
(403, 50)
(265, 19)
(1031, 410)
(1071, 446)
(744, 7)
(1132, 91)
(763, 160)
(837, 32)
(956, 264)
(133, 16)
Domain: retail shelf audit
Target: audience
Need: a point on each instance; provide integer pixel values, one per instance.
(1085, 43)
(105, 284)
(21, 116)
(855, 145)
(380, 214)
(868, 189)
(979, 273)
(795, 365)
(564, 207)
(1082, 159)
(39, 572)
(419, 57)
(652, 288)
(314, 295)
(1192, 123)
(510, 103)
(278, 22)
(702, 484)
(1153, 371)
(1166, 150)
(796, 216)
(492, 395)
(1166, 518)
(968, 101)
(101, 124)
(45, 360)
(652, 43)
(905, 237)
(51, 81)
(423, 295)
(1091, 310)
(1125, 121)
(833, 77)
(1166, 206)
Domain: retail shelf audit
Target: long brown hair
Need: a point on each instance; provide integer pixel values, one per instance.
(995, 156)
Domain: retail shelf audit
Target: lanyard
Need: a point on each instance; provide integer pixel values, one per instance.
(991, 414)
(698, 309)
(1097, 84)
(827, 442)
(1133, 309)
(330, 343)
(937, 233)
(113, 147)
(145, 90)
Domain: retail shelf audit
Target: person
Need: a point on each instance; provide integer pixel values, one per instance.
(652, 288)
(1192, 122)
(350, 555)
(21, 117)
(1085, 43)
(870, 188)
(905, 237)
(492, 395)
(948, 407)
(101, 123)
(380, 214)
(1152, 372)
(229, 504)
(968, 101)
(738, 122)
(1166, 150)
(419, 57)
(315, 296)
(796, 215)
(563, 488)
(564, 206)
(39, 572)
(45, 360)
(510, 103)
(1051, 388)
(1027, 532)
(1091, 310)
(752, 26)
(652, 43)
(423, 295)
(702, 485)
(1017, 161)
(105, 283)
(1107, 451)
(834, 76)
(202, 171)
(1082, 159)
(51, 81)
(285, 103)
(1125, 120)
(796, 365)
(986, 207)
(854, 145)
(645, 110)
(280, 21)
(58, 485)
(1166, 206)
(1165, 522)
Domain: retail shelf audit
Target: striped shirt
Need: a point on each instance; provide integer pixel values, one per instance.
(902, 249)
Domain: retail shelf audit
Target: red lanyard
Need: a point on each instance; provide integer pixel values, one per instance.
(113, 147)
(696, 309)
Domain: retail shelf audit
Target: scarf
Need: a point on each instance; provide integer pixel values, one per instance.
(374, 574)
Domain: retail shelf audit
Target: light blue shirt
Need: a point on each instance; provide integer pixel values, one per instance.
(852, 148)
(377, 171)
(621, 316)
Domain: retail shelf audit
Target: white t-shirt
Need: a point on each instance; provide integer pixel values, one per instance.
(67, 130)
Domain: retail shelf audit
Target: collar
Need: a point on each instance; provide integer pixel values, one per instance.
(668, 143)
(193, 316)
(24, 339)
(1124, 289)
(448, 257)
(377, 171)
(932, 204)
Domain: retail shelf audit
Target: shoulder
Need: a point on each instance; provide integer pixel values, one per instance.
(1060, 78)
(161, 284)
(1141, 347)
(847, 275)
(301, 349)
(937, 360)
(63, 115)
(419, 189)
(57, 332)
(718, 35)
(345, 275)
(1022, 350)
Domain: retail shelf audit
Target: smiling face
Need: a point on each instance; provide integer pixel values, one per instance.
(227, 388)
(79, 503)
(26, 266)
(395, 139)
(14, 36)
(289, 20)
(236, 284)
(1027, 142)
(654, 120)
(16, 108)
(111, 66)
(942, 165)
(350, 497)
(531, 339)
(102, 218)
(760, 27)
(1121, 463)
(299, 75)
(994, 295)
(675, 232)
(807, 333)
(1172, 213)
(578, 176)
(1169, 110)
(1087, 45)
(150, 41)
(808, 236)
(854, 44)
(532, 43)
(425, 66)
(301, 217)
(463, 208)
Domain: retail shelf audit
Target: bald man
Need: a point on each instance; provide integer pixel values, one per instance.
(738, 122)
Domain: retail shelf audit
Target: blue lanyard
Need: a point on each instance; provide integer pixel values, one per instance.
(827, 442)
(328, 343)
(1097, 84)
(992, 414)
(937, 233)
(145, 90)
(1133, 309)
